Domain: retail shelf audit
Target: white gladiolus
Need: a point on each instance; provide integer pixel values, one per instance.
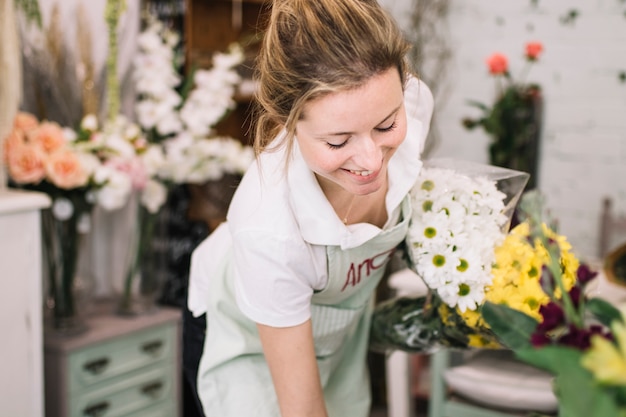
(186, 126)
(153, 160)
(153, 196)
(119, 145)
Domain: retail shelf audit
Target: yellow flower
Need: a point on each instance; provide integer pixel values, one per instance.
(480, 341)
(607, 360)
(517, 271)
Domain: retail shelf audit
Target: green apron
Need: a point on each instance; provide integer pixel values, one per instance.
(233, 377)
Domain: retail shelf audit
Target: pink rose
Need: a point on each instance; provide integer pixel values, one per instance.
(65, 170)
(49, 136)
(533, 50)
(11, 143)
(26, 164)
(498, 64)
(25, 122)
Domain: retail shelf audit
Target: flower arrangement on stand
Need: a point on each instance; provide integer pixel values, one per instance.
(179, 115)
(513, 122)
(524, 290)
(70, 167)
(133, 165)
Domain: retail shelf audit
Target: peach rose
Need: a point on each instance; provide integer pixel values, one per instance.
(25, 121)
(13, 141)
(498, 64)
(65, 170)
(26, 164)
(49, 136)
(533, 50)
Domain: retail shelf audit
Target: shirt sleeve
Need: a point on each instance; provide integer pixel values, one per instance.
(275, 277)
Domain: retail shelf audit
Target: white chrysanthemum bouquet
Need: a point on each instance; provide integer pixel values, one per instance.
(461, 213)
(457, 221)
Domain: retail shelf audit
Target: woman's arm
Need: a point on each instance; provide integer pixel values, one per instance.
(290, 354)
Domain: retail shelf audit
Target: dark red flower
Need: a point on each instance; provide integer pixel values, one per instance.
(538, 339)
(585, 274)
(575, 294)
(553, 317)
(581, 338)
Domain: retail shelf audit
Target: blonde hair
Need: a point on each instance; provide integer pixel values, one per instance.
(317, 47)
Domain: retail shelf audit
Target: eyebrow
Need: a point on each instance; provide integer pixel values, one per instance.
(349, 133)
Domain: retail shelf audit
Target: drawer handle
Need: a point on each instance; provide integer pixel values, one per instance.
(152, 348)
(96, 410)
(152, 390)
(97, 366)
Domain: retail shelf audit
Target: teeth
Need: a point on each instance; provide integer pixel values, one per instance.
(361, 173)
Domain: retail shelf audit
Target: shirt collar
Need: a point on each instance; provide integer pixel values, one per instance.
(317, 220)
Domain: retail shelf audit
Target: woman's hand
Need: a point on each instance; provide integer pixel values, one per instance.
(290, 354)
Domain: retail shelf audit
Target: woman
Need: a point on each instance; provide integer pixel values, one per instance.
(287, 283)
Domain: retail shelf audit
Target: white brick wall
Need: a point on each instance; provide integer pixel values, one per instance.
(583, 153)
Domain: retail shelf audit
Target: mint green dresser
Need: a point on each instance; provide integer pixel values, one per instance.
(119, 367)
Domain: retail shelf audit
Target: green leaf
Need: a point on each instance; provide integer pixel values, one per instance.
(579, 395)
(478, 104)
(604, 311)
(512, 327)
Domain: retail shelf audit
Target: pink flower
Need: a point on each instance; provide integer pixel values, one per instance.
(498, 64)
(25, 122)
(49, 136)
(65, 170)
(11, 143)
(134, 169)
(533, 50)
(26, 164)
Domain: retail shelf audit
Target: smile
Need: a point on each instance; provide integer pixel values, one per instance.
(361, 173)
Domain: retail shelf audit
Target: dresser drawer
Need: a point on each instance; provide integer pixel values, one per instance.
(127, 395)
(98, 363)
(163, 409)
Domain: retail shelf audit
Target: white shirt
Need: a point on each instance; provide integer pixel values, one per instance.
(279, 226)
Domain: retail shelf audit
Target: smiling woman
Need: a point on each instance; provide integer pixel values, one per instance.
(348, 138)
(287, 282)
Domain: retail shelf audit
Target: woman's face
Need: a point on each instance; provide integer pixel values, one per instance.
(347, 138)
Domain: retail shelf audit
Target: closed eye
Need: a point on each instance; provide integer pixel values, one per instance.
(388, 128)
(339, 146)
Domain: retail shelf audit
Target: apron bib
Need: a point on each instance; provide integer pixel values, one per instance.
(234, 380)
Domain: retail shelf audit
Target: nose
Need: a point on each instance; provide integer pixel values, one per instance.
(368, 153)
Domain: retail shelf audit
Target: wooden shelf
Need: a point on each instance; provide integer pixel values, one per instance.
(211, 26)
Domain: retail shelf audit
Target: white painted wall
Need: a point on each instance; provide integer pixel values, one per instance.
(584, 138)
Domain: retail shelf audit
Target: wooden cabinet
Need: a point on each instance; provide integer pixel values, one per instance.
(212, 25)
(120, 367)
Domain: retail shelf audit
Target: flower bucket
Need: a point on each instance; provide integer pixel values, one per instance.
(64, 230)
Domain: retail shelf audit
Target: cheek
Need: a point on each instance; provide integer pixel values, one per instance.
(327, 162)
(320, 158)
(397, 137)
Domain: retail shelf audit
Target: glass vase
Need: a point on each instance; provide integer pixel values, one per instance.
(65, 226)
(142, 283)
